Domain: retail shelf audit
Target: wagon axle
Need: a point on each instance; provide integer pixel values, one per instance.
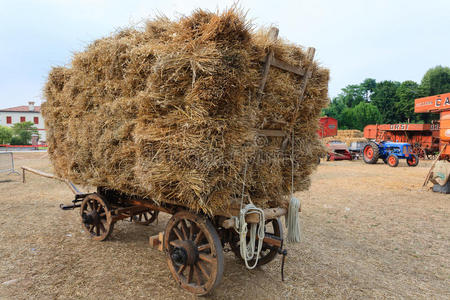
(92, 218)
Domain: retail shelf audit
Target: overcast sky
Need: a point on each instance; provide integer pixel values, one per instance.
(356, 39)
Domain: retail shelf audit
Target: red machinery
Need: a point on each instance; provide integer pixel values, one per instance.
(438, 104)
(423, 137)
(338, 150)
(328, 127)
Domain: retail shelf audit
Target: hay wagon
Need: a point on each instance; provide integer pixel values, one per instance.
(194, 242)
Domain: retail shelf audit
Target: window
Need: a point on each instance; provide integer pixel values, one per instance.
(36, 120)
(22, 119)
(8, 120)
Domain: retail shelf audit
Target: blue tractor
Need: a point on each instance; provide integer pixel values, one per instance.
(390, 153)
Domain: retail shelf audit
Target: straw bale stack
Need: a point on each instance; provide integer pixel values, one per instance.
(347, 136)
(170, 113)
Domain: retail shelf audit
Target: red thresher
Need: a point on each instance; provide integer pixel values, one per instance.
(424, 138)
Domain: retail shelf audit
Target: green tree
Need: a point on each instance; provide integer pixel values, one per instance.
(352, 94)
(384, 98)
(436, 81)
(364, 114)
(406, 93)
(23, 131)
(369, 85)
(5, 135)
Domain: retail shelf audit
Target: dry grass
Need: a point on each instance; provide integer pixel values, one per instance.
(169, 112)
(368, 232)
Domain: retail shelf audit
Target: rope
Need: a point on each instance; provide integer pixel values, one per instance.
(292, 218)
(248, 251)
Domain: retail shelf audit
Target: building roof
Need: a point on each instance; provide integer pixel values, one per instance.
(22, 108)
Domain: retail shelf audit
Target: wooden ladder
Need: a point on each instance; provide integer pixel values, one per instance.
(305, 73)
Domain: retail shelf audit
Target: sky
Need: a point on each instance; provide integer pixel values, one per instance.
(356, 39)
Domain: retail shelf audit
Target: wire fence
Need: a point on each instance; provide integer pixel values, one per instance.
(7, 163)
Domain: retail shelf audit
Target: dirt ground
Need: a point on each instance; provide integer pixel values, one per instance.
(369, 231)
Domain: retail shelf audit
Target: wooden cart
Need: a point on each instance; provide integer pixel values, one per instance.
(192, 242)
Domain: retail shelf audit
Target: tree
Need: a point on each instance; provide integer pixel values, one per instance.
(364, 114)
(23, 132)
(346, 119)
(406, 93)
(436, 81)
(384, 98)
(369, 85)
(5, 135)
(351, 95)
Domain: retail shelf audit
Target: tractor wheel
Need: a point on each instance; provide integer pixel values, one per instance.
(412, 161)
(392, 160)
(371, 153)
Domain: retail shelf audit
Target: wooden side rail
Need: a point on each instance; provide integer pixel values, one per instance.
(269, 213)
(69, 184)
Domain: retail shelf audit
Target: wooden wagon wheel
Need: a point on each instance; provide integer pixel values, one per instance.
(268, 252)
(145, 217)
(194, 252)
(96, 217)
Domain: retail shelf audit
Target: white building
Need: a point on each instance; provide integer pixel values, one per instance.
(24, 113)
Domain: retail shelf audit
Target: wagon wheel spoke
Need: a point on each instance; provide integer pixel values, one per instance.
(184, 229)
(145, 217)
(203, 270)
(206, 257)
(181, 269)
(194, 252)
(189, 272)
(96, 217)
(204, 247)
(102, 227)
(198, 238)
(196, 275)
(191, 231)
(178, 233)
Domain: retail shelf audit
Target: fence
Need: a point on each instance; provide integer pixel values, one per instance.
(22, 147)
(7, 163)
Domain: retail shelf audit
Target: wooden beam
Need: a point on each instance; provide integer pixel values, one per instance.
(273, 36)
(310, 59)
(265, 74)
(271, 132)
(269, 213)
(287, 67)
(432, 166)
(156, 241)
(69, 184)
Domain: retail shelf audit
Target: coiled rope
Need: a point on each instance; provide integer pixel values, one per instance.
(248, 250)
